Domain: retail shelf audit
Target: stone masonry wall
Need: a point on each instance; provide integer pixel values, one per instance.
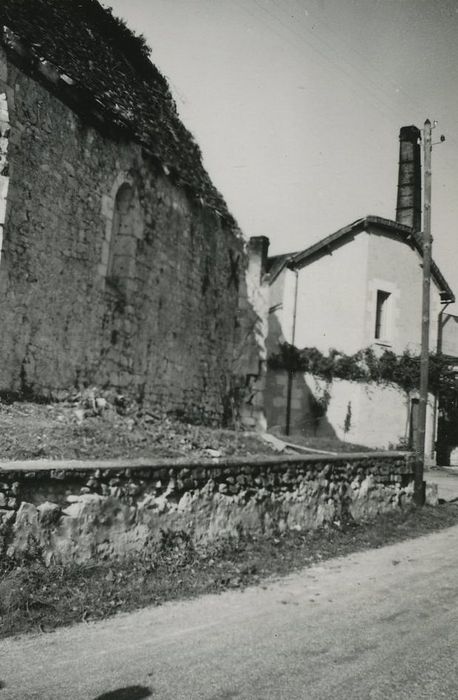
(108, 274)
(80, 512)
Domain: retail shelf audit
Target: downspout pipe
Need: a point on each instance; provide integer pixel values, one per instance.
(289, 388)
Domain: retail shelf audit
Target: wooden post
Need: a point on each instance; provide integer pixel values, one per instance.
(419, 492)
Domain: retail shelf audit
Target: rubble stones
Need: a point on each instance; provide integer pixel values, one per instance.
(111, 512)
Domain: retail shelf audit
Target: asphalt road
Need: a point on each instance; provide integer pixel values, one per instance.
(376, 625)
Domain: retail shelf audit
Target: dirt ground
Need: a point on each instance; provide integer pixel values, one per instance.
(91, 426)
(98, 425)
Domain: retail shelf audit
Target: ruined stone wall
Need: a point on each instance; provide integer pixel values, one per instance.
(83, 512)
(108, 274)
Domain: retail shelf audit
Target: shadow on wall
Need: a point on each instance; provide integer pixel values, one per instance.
(308, 410)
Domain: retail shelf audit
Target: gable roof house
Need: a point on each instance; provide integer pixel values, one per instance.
(358, 288)
(120, 263)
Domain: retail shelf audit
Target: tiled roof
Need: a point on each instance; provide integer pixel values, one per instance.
(101, 69)
(306, 256)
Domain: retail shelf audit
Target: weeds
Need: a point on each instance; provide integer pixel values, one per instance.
(38, 598)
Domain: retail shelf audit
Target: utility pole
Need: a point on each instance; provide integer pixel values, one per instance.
(419, 488)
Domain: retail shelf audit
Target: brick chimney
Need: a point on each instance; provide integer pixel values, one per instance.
(408, 207)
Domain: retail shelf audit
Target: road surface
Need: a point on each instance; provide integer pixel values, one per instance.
(374, 625)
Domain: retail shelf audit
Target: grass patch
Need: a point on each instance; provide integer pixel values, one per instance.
(36, 598)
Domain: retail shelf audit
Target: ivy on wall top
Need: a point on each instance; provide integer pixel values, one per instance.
(363, 366)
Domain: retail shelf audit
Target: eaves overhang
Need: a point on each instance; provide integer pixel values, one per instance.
(296, 261)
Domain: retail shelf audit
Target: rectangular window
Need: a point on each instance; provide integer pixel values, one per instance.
(382, 315)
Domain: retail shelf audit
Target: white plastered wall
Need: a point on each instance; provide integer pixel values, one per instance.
(331, 298)
(395, 267)
(380, 413)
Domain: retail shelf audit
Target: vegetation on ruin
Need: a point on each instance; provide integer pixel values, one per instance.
(127, 39)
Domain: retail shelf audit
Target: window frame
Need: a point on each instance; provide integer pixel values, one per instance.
(382, 320)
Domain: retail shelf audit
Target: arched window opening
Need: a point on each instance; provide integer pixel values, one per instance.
(127, 228)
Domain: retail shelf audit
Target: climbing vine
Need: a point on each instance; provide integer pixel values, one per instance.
(364, 366)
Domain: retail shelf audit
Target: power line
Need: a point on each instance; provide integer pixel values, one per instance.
(377, 93)
(299, 40)
(407, 97)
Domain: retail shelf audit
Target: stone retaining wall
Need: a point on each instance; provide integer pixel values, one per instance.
(64, 511)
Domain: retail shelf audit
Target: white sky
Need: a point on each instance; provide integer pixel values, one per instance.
(297, 106)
